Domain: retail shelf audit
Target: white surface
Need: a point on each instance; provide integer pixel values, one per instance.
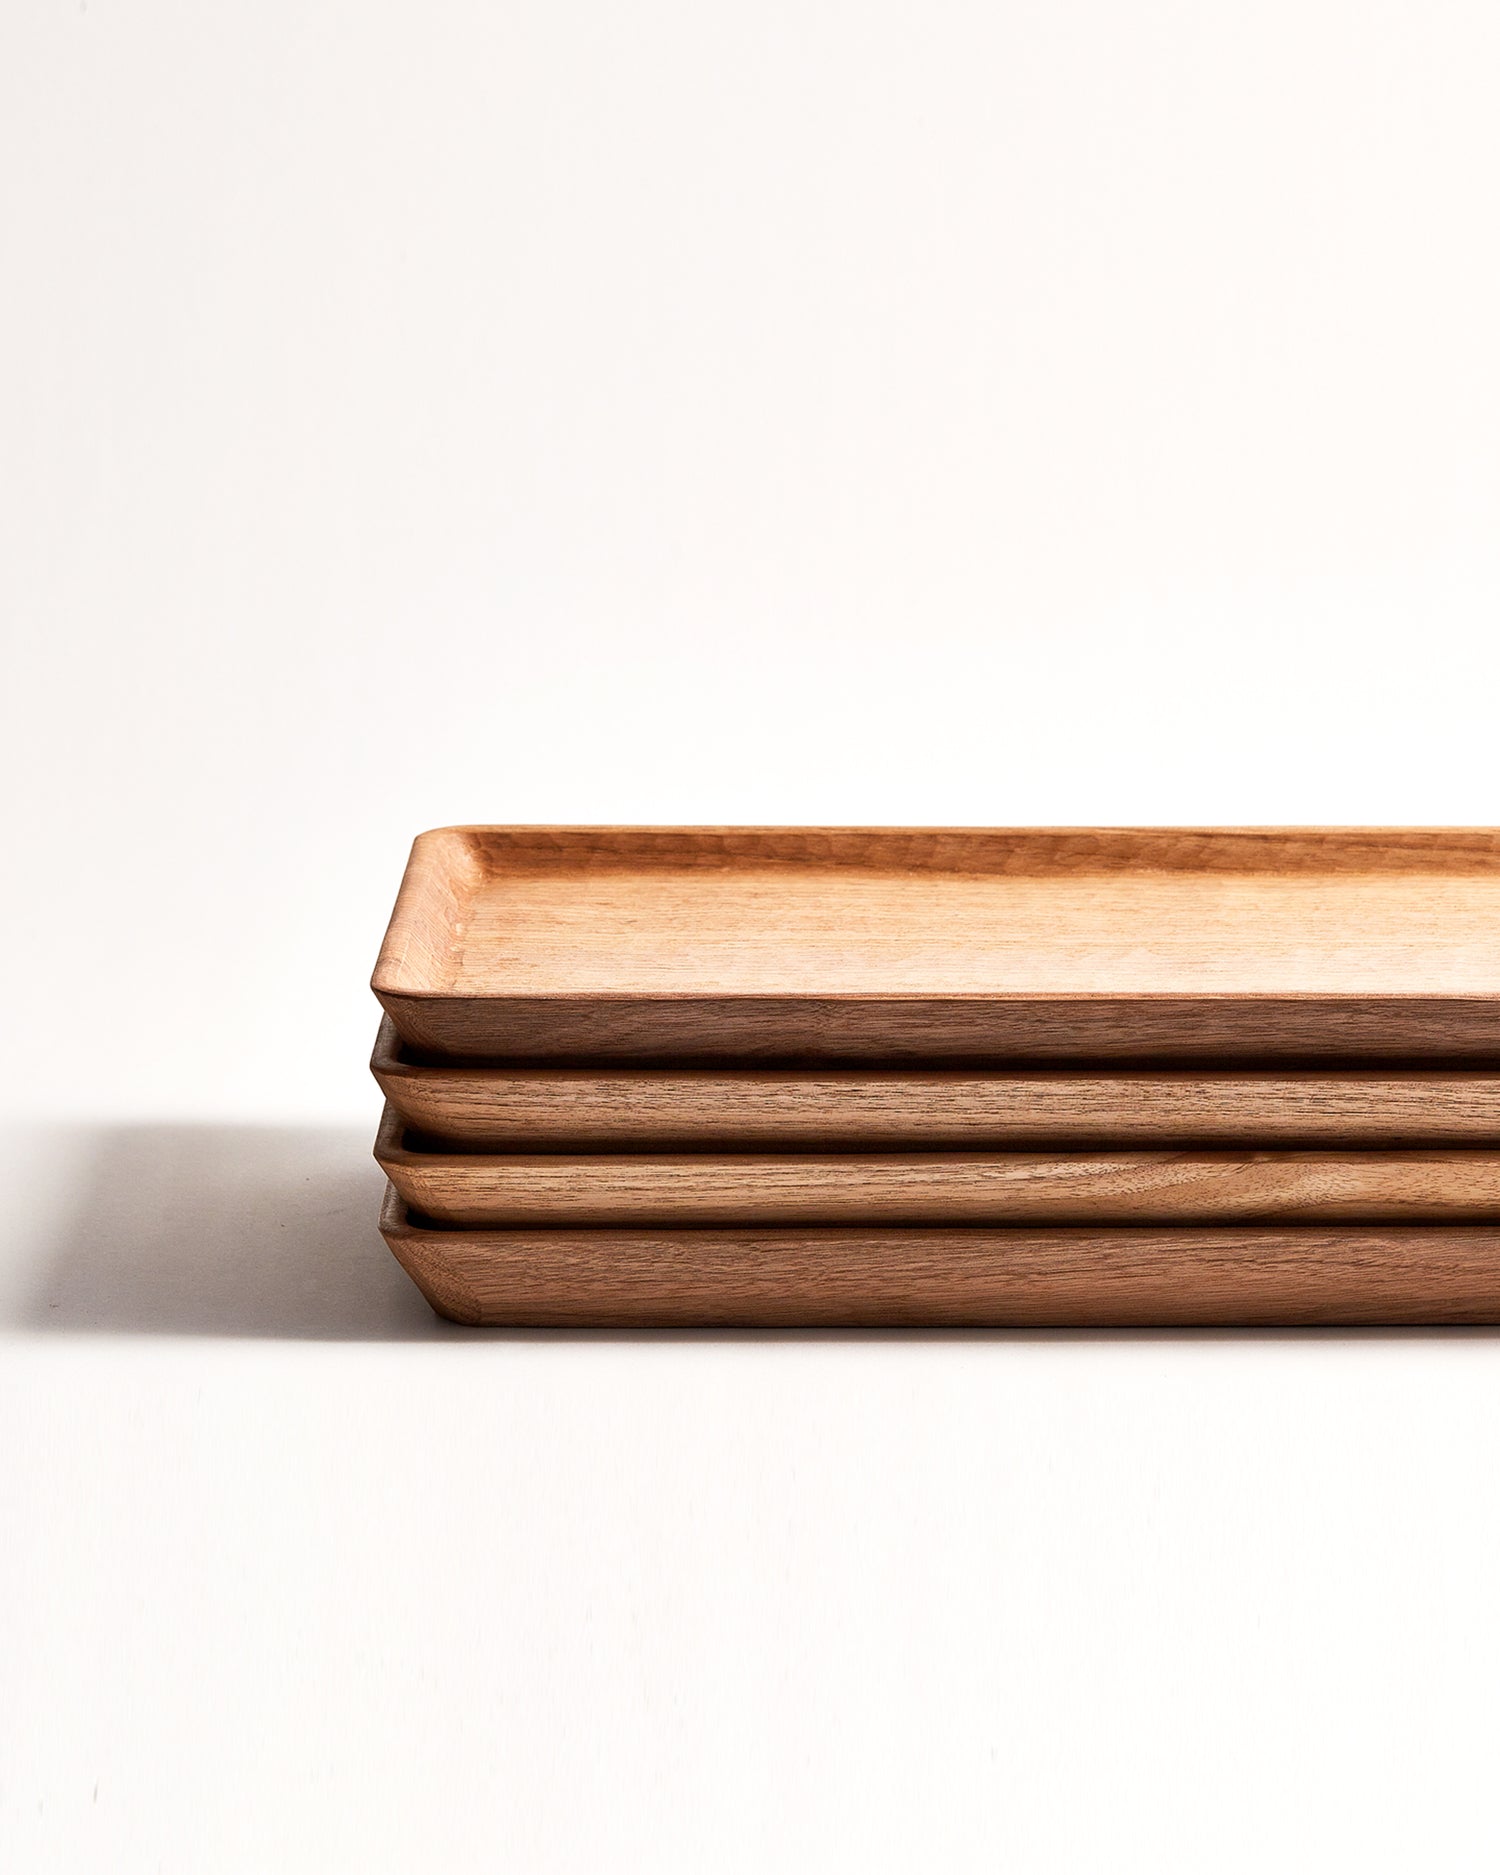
(1053, 412)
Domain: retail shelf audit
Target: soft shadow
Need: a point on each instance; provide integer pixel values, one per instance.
(253, 1231)
(270, 1233)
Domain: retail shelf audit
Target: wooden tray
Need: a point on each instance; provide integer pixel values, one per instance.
(779, 1109)
(934, 1187)
(1203, 1276)
(618, 943)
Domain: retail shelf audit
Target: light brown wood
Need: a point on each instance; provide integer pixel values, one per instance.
(934, 1187)
(779, 1109)
(1001, 1277)
(860, 943)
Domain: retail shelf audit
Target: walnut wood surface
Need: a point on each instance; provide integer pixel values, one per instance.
(1003, 1277)
(701, 943)
(935, 1187)
(1100, 1104)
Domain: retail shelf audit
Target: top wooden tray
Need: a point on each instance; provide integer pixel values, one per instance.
(704, 943)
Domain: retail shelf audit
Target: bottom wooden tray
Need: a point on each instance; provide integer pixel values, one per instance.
(972, 1277)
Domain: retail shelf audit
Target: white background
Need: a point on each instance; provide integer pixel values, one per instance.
(1042, 411)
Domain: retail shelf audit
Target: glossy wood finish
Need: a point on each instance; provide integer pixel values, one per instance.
(514, 1108)
(858, 943)
(935, 1187)
(1191, 1276)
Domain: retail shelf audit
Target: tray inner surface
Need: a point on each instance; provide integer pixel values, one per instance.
(868, 914)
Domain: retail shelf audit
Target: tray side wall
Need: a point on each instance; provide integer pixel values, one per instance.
(1169, 1188)
(556, 1109)
(707, 1029)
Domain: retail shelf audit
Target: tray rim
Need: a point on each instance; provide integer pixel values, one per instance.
(390, 1149)
(397, 1215)
(387, 1049)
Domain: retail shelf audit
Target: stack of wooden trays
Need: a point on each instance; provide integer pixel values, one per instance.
(878, 1077)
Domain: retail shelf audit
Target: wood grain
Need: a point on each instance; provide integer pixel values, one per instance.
(1000, 1277)
(514, 1108)
(935, 1187)
(861, 943)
